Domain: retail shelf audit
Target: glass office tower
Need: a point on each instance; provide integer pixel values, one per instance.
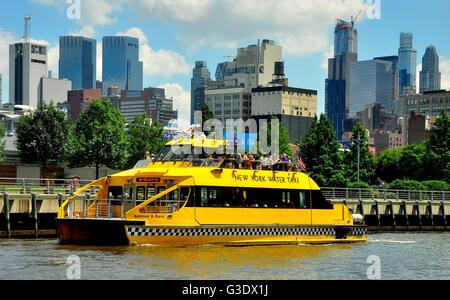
(370, 83)
(78, 61)
(121, 65)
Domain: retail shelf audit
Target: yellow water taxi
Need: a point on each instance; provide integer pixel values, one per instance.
(182, 199)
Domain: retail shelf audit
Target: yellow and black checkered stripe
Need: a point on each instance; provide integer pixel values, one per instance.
(253, 231)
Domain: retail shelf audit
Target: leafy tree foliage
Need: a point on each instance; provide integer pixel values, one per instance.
(284, 139)
(366, 158)
(320, 152)
(99, 137)
(437, 158)
(43, 136)
(207, 114)
(143, 136)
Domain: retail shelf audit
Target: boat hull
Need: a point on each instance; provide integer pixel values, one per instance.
(245, 235)
(93, 232)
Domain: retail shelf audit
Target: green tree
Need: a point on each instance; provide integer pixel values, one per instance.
(99, 137)
(366, 158)
(388, 165)
(284, 139)
(207, 114)
(437, 158)
(43, 136)
(411, 162)
(320, 152)
(143, 135)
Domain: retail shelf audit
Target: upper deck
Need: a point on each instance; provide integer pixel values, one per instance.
(209, 153)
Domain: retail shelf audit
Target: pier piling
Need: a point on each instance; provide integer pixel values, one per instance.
(34, 212)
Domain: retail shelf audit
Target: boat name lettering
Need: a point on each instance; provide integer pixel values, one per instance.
(148, 180)
(271, 179)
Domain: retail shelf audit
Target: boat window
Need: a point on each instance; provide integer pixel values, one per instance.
(258, 198)
(128, 193)
(319, 201)
(115, 192)
(168, 204)
(302, 200)
(151, 192)
(140, 193)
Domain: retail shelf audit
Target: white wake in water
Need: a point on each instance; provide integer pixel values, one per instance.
(392, 241)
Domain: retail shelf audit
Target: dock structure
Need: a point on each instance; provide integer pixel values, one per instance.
(396, 210)
(24, 213)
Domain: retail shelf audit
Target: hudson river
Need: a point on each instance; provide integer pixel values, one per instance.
(401, 256)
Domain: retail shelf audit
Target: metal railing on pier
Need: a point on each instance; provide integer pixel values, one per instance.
(337, 194)
(41, 186)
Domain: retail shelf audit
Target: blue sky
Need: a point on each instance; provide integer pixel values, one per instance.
(176, 33)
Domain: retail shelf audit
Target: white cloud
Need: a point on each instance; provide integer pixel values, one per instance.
(6, 39)
(162, 62)
(444, 65)
(53, 59)
(93, 12)
(301, 26)
(181, 97)
(86, 31)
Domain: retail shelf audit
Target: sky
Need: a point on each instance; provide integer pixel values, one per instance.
(176, 33)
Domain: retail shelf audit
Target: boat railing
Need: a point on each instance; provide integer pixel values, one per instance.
(229, 163)
(87, 208)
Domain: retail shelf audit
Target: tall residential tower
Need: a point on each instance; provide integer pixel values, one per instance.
(200, 78)
(337, 87)
(430, 77)
(407, 62)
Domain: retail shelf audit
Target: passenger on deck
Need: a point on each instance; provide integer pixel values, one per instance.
(209, 161)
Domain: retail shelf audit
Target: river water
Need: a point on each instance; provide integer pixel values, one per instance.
(401, 256)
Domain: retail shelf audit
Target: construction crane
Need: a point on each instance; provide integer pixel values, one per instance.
(357, 17)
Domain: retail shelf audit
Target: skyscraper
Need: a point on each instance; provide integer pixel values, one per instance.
(78, 61)
(430, 77)
(370, 83)
(200, 78)
(394, 60)
(222, 71)
(337, 87)
(27, 65)
(407, 62)
(121, 65)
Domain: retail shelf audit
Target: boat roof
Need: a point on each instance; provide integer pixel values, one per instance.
(198, 142)
(215, 177)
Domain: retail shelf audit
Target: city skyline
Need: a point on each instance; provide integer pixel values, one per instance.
(169, 52)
